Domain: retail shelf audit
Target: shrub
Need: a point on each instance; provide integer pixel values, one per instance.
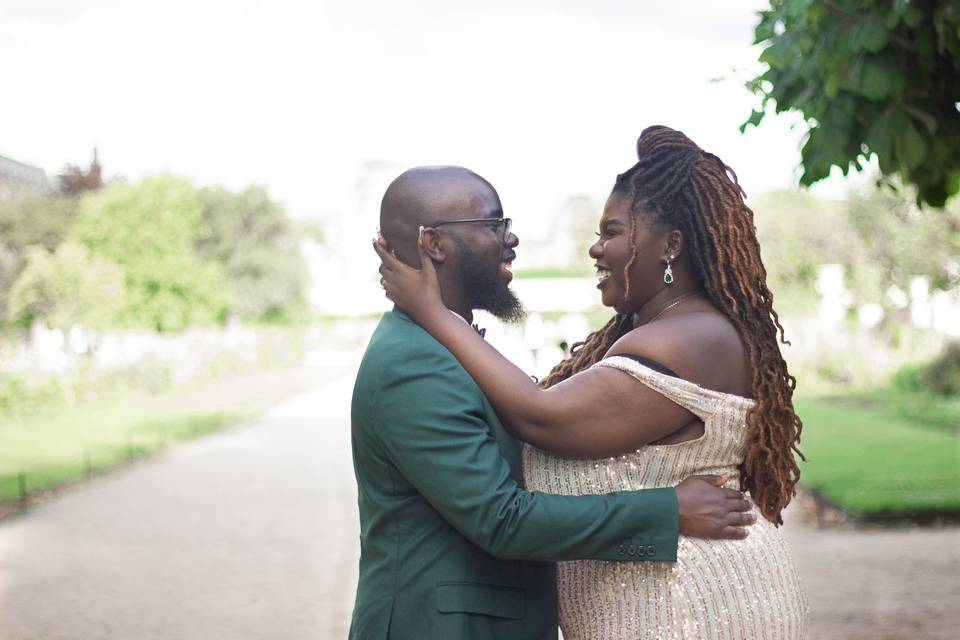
(13, 393)
(942, 375)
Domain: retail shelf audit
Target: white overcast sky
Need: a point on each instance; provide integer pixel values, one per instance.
(543, 97)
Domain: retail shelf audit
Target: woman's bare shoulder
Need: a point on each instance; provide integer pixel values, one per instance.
(701, 346)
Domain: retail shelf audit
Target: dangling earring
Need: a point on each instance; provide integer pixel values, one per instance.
(668, 273)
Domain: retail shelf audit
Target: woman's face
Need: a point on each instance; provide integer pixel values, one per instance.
(612, 251)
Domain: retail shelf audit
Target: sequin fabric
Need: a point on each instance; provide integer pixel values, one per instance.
(717, 589)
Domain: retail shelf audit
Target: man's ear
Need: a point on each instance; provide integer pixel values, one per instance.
(432, 245)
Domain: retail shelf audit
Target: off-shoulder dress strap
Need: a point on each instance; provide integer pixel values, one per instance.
(699, 401)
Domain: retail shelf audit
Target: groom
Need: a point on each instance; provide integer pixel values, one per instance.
(451, 545)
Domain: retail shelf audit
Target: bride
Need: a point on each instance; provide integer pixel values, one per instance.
(685, 379)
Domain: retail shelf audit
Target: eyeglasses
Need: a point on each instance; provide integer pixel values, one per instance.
(500, 225)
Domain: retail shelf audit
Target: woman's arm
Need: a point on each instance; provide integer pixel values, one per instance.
(599, 412)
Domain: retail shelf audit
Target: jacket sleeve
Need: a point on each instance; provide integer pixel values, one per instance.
(429, 416)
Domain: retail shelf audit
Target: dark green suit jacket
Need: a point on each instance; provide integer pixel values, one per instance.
(451, 545)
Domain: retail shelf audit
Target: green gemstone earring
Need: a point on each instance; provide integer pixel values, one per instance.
(668, 273)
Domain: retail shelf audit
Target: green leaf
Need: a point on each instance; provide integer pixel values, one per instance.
(778, 55)
(879, 138)
(765, 30)
(925, 118)
(816, 157)
(953, 183)
(869, 34)
(891, 20)
(913, 16)
(877, 81)
(910, 146)
(934, 195)
(926, 51)
(853, 79)
(832, 86)
(755, 118)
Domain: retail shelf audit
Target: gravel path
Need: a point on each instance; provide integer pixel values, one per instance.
(252, 534)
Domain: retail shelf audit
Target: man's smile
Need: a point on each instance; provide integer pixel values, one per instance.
(506, 269)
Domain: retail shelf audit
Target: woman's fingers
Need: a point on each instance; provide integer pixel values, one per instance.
(426, 262)
(387, 259)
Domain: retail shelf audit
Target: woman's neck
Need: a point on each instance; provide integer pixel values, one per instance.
(664, 302)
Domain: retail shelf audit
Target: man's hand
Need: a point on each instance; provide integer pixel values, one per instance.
(709, 511)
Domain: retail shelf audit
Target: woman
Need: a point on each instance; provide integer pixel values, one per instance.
(686, 378)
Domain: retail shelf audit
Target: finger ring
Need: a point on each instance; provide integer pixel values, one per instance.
(383, 284)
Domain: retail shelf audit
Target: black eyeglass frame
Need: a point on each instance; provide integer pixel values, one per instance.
(504, 223)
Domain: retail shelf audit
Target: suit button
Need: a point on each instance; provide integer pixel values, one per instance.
(641, 551)
(632, 550)
(621, 550)
(651, 550)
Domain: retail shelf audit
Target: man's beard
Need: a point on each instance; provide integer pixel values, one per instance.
(485, 289)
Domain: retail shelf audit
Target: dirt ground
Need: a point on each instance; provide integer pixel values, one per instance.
(878, 583)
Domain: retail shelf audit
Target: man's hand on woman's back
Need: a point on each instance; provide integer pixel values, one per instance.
(707, 510)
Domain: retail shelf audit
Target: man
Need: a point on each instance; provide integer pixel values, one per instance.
(451, 545)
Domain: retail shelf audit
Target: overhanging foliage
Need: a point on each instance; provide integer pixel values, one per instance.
(870, 77)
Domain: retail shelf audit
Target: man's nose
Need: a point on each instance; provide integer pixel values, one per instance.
(512, 240)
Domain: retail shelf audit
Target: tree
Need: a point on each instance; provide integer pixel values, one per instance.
(871, 77)
(258, 246)
(880, 237)
(149, 230)
(798, 234)
(900, 241)
(65, 288)
(24, 222)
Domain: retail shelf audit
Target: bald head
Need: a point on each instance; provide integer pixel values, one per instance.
(426, 195)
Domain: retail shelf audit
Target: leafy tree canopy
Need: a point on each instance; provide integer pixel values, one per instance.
(870, 77)
(24, 222)
(258, 246)
(67, 287)
(149, 230)
(880, 237)
(901, 241)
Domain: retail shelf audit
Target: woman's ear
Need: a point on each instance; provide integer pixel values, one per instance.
(673, 245)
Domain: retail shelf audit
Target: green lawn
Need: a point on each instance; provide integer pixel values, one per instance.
(65, 444)
(883, 451)
(554, 272)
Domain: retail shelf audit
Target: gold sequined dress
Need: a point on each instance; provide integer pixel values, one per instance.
(717, 589)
